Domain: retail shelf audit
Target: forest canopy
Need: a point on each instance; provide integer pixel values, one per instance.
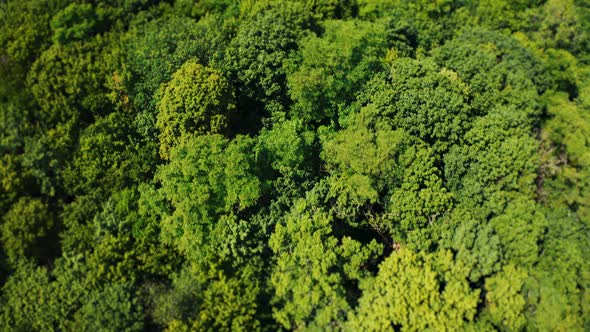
(272, 165)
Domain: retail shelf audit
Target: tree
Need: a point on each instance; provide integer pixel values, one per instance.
(506, 15)
(288, 147)
(521, 229)
(338, 9)
(498, 69)
(332, 68)
(213, 188)
(433, 22)
(474, 240)
(133, 215)
(566, 155)
(15, 126)
(200, 301)
(221, 165)
(27, 300)
(505, 303)
(374, 168)
(425, 100)
(114, 307)
(417, 291)
(200, 9)
(562, 26)
(263, 42)
(209, 183)
(46, 156)
(75, 22)
(312, 268)
(26, 228)
(198, 100)
(155, 49)
(25, 35)
(498, 161)
(558, 301)
(69, 83)
(105, 160)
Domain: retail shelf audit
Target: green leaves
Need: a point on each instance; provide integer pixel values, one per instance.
(332, 68)
(258, 165)
(151, 55)
(75, 22)
(416, 292)
(376, 168)
(196, 101)
(208, 181)
(566, 153)
(364, 163)
(312, 268)
(27, 302)
(505, 303)
(426, 101)
(256, 55)
(498, 69)
(25, 227)
(70, 81)
(288, 147)
(498, 160)
(114, 307)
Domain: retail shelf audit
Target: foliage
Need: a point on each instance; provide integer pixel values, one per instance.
(112, 308)
(417, 292)
(268, 165)
(154, 50)
(75, 22)
(196, 101)
(426, 101)
(334, 67)
(25, 226)
(69, 82)
(262, 44)
(312, 268)
(209, 182)
(375, 168)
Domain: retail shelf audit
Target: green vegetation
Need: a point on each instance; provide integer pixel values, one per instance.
(355, 165)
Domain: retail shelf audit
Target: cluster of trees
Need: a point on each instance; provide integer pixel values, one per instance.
(360, 165)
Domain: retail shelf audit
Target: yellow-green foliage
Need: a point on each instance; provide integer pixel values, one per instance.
(196, 101)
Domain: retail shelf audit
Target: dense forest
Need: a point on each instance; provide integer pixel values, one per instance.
(355, 165)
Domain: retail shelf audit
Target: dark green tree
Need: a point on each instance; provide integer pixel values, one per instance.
(264, 41)
(75, 22)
